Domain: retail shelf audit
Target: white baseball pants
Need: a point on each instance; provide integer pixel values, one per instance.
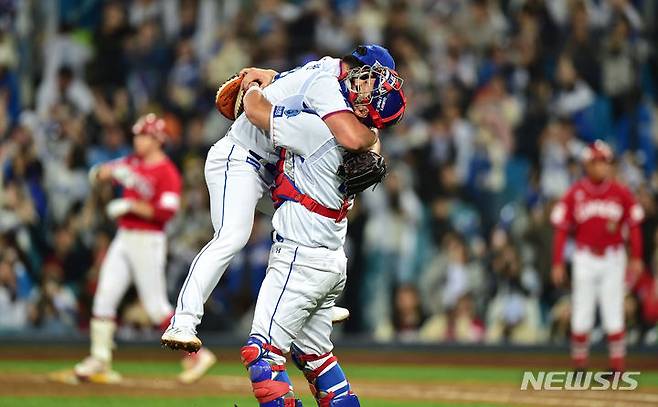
(137, 256)
(235, 183)
(598, 280)
(294, 303)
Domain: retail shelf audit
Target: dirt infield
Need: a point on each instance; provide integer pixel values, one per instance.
(505, 395)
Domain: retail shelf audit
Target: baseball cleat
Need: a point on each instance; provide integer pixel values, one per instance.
(196, 365)
(181, 339)
(339, 314)
(93, 370)
(67, 376)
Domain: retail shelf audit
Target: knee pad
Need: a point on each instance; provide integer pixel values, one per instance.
(326, 378)
(269, 381)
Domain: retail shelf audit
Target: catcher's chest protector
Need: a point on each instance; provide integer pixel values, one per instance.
(286, 190)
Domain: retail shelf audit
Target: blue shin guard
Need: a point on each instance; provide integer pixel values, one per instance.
(326, 379)
(269, 381)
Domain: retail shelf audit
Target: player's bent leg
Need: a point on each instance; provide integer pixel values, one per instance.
(113, 282)
(326, 379)
(147, 252)
(267, 371)
(235, 189)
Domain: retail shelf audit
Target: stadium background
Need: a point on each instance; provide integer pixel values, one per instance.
(454, 247)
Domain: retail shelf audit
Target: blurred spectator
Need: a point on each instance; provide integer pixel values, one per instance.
(408, 316)
(113, 145)
(10, 103)
(450, 276)
(53, 307)
(64, 88)
(394, 213)
(513, 313)
(14, 290)
(573, 96)
(108, 68)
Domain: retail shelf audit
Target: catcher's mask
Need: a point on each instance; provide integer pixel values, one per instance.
(363, 85)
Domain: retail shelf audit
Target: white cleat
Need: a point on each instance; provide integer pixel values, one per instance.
(339, 314)
(96, 371)
(181, 339)
(196, 365)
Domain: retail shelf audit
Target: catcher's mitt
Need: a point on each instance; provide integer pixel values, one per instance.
(228, 99)
(361, 171)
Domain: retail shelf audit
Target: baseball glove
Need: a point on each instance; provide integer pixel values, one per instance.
(228, 99)
(361, 171)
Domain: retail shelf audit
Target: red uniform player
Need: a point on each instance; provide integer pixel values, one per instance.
(600, 213)
(151, 197)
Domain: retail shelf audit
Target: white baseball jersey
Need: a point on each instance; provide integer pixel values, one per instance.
(312, 86)
(312, 160)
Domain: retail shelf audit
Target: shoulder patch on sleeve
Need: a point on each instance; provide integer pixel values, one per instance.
(278, 111)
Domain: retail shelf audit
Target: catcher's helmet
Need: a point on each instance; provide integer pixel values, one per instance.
(598, 150)
(151, 125)
(373, 55)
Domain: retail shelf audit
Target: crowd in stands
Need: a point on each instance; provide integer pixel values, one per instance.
(454, 246)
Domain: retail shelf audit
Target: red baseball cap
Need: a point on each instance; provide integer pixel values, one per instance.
(598, 150)
(151, 125)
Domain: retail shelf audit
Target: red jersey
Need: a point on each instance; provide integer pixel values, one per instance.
(597, 215)
(158, 184)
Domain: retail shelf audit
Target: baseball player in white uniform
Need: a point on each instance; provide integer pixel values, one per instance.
(239, 167)
(307, 267)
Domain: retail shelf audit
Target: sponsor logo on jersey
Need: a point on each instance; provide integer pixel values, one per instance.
(598, 209)
(292, 112)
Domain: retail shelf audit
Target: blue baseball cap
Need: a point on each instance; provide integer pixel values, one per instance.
(370, 54)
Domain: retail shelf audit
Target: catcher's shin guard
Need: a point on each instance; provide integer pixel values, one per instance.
(270, 382)
(326, 379)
